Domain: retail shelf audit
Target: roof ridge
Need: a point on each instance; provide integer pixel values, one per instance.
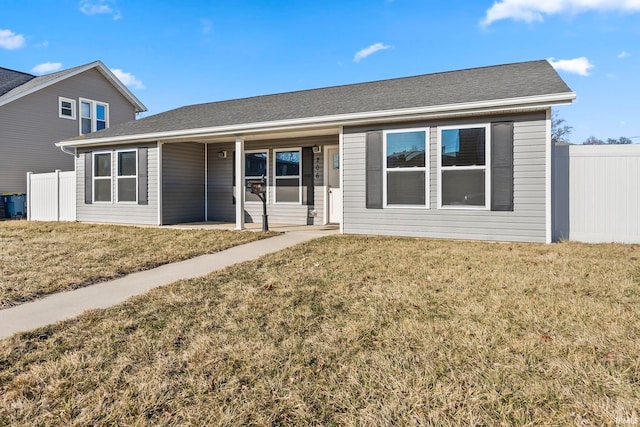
(370, 82)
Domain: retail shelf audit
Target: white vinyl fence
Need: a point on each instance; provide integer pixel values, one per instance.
(51, 196)
(597, 196)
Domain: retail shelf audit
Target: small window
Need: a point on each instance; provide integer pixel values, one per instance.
(463, 167)
(102, 177)
(94, 116)
(288, 176)
(127, 181)
(66, 108)
(405, 168)
(256, 166)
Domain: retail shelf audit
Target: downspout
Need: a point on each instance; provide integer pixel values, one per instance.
(74, 153)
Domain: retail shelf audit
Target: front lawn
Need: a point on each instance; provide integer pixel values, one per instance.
(356, 331)
(40, 258)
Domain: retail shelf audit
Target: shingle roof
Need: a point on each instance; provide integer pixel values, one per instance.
(10, 79)
(525, 79)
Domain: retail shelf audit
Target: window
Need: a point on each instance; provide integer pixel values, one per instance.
(405, 168)
(463, 156)
(255, 168)
(127, 180)
(66, 108)
(288, 177)
(102, 177)
(94, 116)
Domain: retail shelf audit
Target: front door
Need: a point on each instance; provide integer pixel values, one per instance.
(335, 192)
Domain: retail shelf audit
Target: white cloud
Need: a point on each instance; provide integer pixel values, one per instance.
(99, 7)
(623, 55)
(46, 67)
(10, 40)
(534, 10)
(128, 79)
(44, 44)
(363, 53)
(579, 66)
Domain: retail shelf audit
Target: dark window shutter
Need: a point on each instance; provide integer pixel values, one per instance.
(142, 177)
(502, 166)
(374, 157)
(233, 178)
(88, 177)
(307, 176)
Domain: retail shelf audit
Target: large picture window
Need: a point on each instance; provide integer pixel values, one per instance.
(94, 116)
(288, 176)
(256, 166)
(127, 179)
(464, 173)
(102, 177)
(406, 168)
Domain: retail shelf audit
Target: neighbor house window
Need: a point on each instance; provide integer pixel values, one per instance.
(127, 179)
(256, 166)
(463, 157)
(405, 168)
(102, 177)
(66, 108)
(288, 176)
(94, 116)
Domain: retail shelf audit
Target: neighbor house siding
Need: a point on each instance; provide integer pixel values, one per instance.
(220, 184)
(30, 126)
(183, 182)
(525, 223)
(124, 213)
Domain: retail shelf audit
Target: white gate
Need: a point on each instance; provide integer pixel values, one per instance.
(51, 196)
(601, 202)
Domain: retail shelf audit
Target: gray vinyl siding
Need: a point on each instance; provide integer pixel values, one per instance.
(527, 222)
(119, 213)
(220, 184)
(30, 126)
(183, 182)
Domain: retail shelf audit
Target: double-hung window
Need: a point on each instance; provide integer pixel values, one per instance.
(102, 177)
(66, 108)
(94, 116)
(463, 167)
(256, 166)
(288, 176)
(127, 179)
(405, 177)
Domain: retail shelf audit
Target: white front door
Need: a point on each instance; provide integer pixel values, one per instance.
(335, 192)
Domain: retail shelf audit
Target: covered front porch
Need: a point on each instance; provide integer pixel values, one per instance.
(207, 181)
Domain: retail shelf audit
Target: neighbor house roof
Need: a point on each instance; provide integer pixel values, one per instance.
(519, 85)
(10, 79)
(17, 89)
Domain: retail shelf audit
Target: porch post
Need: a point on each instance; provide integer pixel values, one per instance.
(240, 183)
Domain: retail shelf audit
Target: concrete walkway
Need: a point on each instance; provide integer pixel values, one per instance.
(65, 305)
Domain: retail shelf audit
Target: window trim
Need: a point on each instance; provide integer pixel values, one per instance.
(275, 177)
(117, 176)
(246, 177)
(93, 105)
(486, 167)
(426, 168)
(95, 178)
(62, 99)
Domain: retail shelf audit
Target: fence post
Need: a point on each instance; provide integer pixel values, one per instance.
(58, 195)
(29, 195)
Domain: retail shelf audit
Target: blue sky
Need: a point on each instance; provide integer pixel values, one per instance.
(172, 53)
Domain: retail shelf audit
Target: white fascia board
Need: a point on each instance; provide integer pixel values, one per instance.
(246, 129)
(81, 69)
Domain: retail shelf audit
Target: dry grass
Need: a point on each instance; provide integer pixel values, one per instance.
(356, 331)
(39, 258)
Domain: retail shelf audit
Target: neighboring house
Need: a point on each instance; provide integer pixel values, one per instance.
(36, 112)
(463, 154)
